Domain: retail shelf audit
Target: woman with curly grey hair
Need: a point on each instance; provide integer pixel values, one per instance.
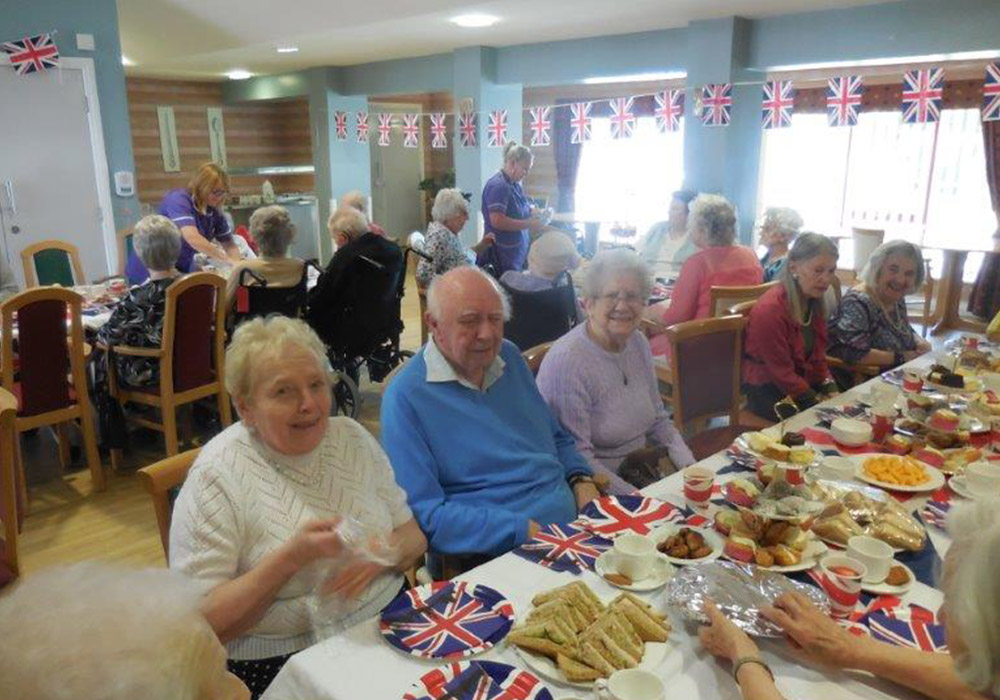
(778, 229)
(442, 243)
(273, 231)
(719, 263)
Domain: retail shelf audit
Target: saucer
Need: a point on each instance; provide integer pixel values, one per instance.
(662, 572)
(959, 485)
(884, 588)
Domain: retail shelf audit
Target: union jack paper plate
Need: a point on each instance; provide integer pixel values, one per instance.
(478, 680)
(446, 620)
(611, 516)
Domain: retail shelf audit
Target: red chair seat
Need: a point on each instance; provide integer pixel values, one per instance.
(16, 391)
(708, 442)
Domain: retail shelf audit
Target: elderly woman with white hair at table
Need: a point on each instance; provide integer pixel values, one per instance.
(552, 254)
(442, 242)
(970, 612)
(257, 519)
(67, 633)
(273, 232)
(778, 229)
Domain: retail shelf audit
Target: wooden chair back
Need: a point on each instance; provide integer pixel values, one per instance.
(722, 298)
(422, 296)
(742, 309)
(9, 511)
(534, 356)
(706, 364)
(194, 331)
(161, 480)
(52, 262)
(125, 237)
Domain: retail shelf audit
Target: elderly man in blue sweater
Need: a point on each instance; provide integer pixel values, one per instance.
(471, 440)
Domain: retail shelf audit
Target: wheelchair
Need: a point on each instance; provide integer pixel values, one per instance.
(541, 316)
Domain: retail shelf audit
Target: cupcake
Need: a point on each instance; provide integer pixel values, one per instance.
(944, 419)
(899, 444)
(931, 456)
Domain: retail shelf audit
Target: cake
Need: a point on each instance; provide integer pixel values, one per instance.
(944, 419)
(802, 455)
(740, 549)
(919, 401)
(931, 456)
(758, 442)
(793, 439)
(777, 451)
(899, 444)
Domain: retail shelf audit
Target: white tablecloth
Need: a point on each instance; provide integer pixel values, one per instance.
(358, 664)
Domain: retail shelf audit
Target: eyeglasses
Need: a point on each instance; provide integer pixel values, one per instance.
(628, 297)
(219, 192)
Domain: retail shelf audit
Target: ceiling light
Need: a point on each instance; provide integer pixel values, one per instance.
(635, 78)
(126, 61)
(239, 74)
(473, 21)
(287, 49)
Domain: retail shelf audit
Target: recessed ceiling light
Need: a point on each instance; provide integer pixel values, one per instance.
(239, 74)
(287, 49)
(126, 61)
(475, 20)
(634, 78)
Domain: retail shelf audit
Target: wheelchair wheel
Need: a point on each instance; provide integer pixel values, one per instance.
(346, 396)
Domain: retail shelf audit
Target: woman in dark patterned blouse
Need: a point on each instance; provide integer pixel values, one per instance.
(870, 326)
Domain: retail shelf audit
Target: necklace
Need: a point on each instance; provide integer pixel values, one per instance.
(618, 355)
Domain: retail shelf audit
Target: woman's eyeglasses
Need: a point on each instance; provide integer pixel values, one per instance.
(219, 192)
(628, 297)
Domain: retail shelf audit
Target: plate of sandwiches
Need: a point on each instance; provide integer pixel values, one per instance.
(571, 636)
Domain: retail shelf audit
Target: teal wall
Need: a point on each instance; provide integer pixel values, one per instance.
(20, 18)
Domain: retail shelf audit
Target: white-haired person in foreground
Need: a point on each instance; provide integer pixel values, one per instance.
(256, 518)
(443, 243)
(778, 229)
(68, 632)
(971, 615)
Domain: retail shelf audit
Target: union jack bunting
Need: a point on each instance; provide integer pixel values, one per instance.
(779, 100)
(716, 103)
(579, 122)
(541, 126)
(914, 627)
(446, 619)
(564, 548)
(611, 516)
(362, 131)
(439, 130)
(622, 117)
(922, 91)
(991, 93)
(478, 680)
(467, 129)
(384, 129)
(32, 54)
(669, 110)
(411, 130)
(843, 100)
(935, 513)
(496, 129)
(340, 120)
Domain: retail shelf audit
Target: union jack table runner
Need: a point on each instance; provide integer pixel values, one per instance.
(446, 619)
(843, 100)
(991, 93)
(467, 129)
(32, 54)
(496, 129)
(622, 117)
(669, 110)
(478, 680)
(779, 100)
(439, 130)
(716, 104)
(362, 118)
(541, 126)
(411, 130)
(611, 516)
(340, 120)
(922, 94)
(564, 547)
(912, 627)
(580, 122)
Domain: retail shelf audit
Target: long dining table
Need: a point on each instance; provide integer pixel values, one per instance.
(358, 663)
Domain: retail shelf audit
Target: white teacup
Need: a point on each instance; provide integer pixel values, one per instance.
(875, 554)
(635, 556)
(631, 684)
(983, 479)
(837, 468)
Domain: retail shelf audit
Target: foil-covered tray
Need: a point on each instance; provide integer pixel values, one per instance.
(739, 591)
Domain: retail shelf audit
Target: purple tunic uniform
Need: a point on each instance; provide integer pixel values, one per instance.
(178, 206)
(504, 196)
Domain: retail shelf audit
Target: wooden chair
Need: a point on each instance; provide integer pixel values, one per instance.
(742, 309)
(160, 480)
(51, 385)
(9, 511)
(124, 248)
(422, 295)
(722, 298)
(52, 262)
(534, 356)
(191, 356)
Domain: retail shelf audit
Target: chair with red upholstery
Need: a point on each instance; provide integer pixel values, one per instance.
(9, 512)
(191, 356)
(50, 386)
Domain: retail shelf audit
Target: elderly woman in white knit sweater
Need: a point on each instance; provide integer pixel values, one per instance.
(256, 519)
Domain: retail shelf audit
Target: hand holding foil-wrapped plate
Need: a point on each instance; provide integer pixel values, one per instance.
(739, 591)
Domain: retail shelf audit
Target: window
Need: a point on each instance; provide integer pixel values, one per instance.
(635, 175)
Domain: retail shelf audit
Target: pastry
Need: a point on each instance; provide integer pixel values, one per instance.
(725, 520)
(918, 401)
(898, 576)
(793, 439)
(930, 455)
(618, 579)
(777, 451)
(802, 455)
(944, 419)
(740, 549)
(899, 444)
(758, 442)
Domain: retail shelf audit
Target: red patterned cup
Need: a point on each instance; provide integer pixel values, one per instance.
(912, 381)
(841, 578)
(698, 483)
(881, 426)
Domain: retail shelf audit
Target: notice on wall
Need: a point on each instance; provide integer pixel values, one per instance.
(217, 136)
(168, 139)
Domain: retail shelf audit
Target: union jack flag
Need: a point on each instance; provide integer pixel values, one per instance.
(496, 129)
(779, 100)
(467, 129)
(340, 119)
(32, 53)
(384, 129)
(478, 680)
(540, 126)
(991, 93)
(446, 619)
(411, 130)
(614, 515)
(580, 121)
(716, 103)
(922, 91)
(564, 548)
(913, 627)
(622, 118)
(843, 100)
(439, 130)
(362, 127)
(669, 110)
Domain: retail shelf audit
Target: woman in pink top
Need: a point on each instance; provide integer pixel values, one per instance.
(719, 263)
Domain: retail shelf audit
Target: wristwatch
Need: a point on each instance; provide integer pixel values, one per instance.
(580, 478)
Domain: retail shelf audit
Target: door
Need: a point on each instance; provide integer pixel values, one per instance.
(397, 204)
(48, 172)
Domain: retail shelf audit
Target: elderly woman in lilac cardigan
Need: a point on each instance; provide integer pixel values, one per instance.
(598, 379)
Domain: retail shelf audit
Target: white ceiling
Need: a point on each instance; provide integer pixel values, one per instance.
(207, 38)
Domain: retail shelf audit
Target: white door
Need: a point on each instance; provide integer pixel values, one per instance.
(397, 204)
(49, 186)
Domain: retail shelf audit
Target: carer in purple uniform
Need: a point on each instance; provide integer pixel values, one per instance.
(508, 213)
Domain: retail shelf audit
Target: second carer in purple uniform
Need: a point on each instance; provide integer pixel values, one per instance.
(507, 213)
(196, 211)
